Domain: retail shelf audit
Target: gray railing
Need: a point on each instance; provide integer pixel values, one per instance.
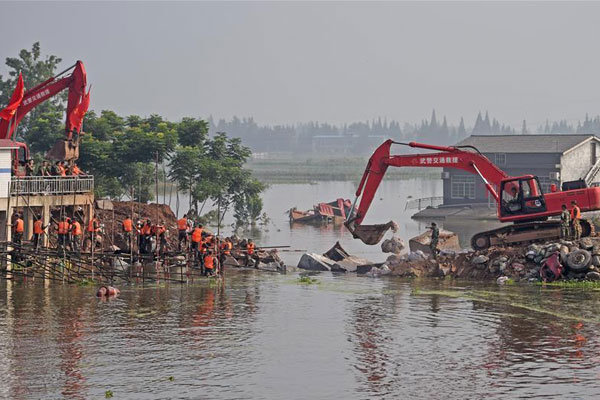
(422, 203)
(42, 185)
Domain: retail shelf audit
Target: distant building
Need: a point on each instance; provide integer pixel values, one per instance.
(554, 158)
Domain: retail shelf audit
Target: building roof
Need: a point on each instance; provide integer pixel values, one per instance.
(553, 143)
(7, 144)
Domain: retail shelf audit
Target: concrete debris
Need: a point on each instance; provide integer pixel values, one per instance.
(516, 263)
(447, 241)
(315, 262)
(394, 245)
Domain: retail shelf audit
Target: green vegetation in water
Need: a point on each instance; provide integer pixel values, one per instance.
(307, 280)
(496, 298)
(108, 394)
(86, 282)
(171, 378)
(572, 284)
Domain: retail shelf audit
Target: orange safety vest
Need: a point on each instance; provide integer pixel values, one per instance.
(226, 247)
(158, 230)
(38, 227)
(91, 227)
(19, 225)
(182, 224)
(250, 248)
(127, 225)
(209, 262)
(63, 227)
(575, 213)
(76, 170)
(197, 235)
(62, 171)
(77, 229)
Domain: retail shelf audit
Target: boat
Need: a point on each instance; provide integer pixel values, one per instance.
(332, 212)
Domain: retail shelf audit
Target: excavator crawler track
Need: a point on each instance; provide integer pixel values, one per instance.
(525, 233)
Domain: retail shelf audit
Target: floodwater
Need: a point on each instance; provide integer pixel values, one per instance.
(259, 335)
(388, 204)
(265, 336)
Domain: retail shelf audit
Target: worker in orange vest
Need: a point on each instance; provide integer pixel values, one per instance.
(76, 235)
(159, 232)
(250, 254)
(196, 240)
(62, 231)
(38, 230)
(210, 264)
(145, 235)
(18, 229)
(92, 230)
(127, 226)
(576, 220)
(225, 248)
(182, 228)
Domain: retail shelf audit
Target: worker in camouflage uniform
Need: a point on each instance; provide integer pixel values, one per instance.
(565, 222)
(435, 237)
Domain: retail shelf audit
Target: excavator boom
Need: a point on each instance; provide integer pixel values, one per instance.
(526, 204)
(76, 82)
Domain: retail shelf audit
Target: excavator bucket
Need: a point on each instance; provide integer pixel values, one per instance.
(66, 150)
(371, 234)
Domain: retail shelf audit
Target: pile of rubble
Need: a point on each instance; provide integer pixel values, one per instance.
(579, 260)
(576, 260)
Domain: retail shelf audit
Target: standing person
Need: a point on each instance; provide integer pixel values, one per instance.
(182, 228)
(226, 247)
(76, 234)
(43, 170)
(127, 226)
(18, 229)
(159, 232)
(575, 220)
(62, 231)
(38, 230)
(29, 168)
(435, 237)
(250, 254)
(196, 240)
(92, 230)
(565, 222)
(145, 235)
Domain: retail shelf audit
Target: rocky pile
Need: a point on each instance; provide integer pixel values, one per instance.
(579, 260)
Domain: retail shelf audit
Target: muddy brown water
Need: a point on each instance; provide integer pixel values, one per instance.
(265, 336)
(259, 335)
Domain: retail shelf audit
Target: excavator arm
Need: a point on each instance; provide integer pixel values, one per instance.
(444, 157)
(76, 83)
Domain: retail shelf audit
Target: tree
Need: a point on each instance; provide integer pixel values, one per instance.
(192, 132)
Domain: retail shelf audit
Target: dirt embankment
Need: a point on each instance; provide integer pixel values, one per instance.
(156, 213)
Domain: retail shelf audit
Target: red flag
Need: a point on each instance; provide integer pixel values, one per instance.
(76, 117)
(15, 100)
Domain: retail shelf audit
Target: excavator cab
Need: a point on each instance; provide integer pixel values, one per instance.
(521, 196)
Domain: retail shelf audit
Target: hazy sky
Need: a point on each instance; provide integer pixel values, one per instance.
(335, 62)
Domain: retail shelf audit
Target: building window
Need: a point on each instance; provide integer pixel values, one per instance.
(500, 158)
(462, 187)
(545, 183)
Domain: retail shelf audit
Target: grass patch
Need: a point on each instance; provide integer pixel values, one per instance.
(307, 280)
(86, 282)
(572, 284)
(108, 394)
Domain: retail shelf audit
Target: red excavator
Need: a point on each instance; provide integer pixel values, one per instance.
(520, 198)
(76, 81)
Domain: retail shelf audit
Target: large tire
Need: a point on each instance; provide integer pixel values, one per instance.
(480, 241)
(579, 260)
